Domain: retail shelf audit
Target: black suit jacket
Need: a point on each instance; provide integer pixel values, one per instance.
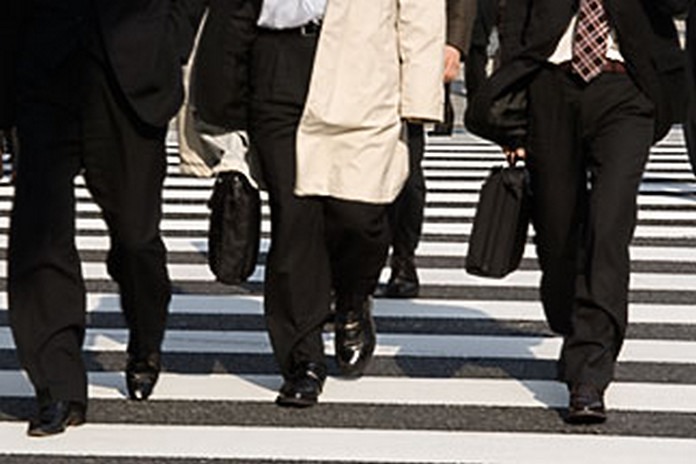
(690, 123)
(147, 41)
(144, 41)
(460, 24)
(531, 30)
(486, 20)
(220, 81)
(691, 38)
(9, 26)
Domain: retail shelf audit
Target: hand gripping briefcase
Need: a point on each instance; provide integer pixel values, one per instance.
(499, 232)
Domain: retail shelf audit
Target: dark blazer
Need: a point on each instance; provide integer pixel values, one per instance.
(460, 24)
(690, 123)
(9, 27)
(646, 33)
(220, 82)
(147, 42)
(691, 43)
(486, 20)
(144, 41)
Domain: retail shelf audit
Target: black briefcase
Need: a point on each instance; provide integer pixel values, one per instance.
(499, 232)
(235, 228)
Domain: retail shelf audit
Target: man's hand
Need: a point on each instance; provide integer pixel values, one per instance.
(452, 63)
(514, 154)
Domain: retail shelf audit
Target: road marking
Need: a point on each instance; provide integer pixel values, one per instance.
(646, 397)
(390, 345)
(307, 444)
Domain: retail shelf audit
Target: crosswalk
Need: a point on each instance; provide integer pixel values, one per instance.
(463, 374)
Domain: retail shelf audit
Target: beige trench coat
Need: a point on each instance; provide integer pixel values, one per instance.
(378, 63)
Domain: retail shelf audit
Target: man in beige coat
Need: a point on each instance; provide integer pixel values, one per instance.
(406, 213)
(378, 64)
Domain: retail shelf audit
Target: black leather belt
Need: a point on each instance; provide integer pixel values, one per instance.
(613, 66)
(309, 29)
(609, 66)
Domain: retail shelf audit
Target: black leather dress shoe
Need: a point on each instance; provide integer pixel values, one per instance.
(586, 405)
(403, 281)
(55, 416)
(355, 335)
(142, 375)
(303, 388)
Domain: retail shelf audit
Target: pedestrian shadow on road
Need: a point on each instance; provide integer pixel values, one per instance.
(472, 340)
(420, 338)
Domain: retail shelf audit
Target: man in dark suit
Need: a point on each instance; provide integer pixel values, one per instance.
(97, 82)
(282, 57)
(268, 52)
(592, 120)
(406, 213)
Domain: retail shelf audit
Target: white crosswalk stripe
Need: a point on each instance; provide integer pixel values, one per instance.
(463, 374)
(325, 445)
(385, 390)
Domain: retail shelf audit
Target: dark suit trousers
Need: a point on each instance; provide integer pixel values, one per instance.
(317, 244)
(588, 147)
(406, 213)
(73, 121)
(475, 69)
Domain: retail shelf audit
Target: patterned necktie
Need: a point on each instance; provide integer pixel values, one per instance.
(590, 41)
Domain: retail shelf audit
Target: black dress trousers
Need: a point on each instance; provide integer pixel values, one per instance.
(406, 213)
(73, 119)
(318, 244)
(588, 145)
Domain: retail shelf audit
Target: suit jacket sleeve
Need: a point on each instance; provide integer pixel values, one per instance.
(460, 23)
(673, 7)
(691, 46)
(186, 16)
(10, 25)
(421, 38)
(513, 16)
(221, 72)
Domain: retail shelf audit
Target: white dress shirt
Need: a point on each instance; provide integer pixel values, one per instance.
(285, 14)
(564, 49)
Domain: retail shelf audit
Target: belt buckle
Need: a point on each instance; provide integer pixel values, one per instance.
(613, 66)
(311, 28)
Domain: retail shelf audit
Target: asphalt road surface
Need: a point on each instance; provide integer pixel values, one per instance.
(465, 373)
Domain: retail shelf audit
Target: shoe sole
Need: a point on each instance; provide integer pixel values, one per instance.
(71, 422)
(351, 373)
(586, 418)
(402, 295)
(299, 403)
